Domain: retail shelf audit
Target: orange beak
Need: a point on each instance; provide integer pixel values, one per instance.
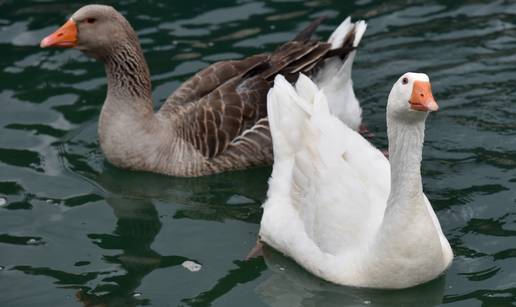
(422, 98)
(66, 36)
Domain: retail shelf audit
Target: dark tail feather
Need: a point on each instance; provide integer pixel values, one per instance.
(308, 31)
(258, 69)
(341, 52)
(347, 46)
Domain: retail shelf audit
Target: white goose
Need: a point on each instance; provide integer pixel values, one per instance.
(330, 203)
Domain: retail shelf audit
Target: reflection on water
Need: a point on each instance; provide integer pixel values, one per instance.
(289, 285)
(75, 229)
(137, 226)
(245, 271)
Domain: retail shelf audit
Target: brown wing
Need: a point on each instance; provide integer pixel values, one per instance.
(217, 119)
(219, 104)
(208, 79)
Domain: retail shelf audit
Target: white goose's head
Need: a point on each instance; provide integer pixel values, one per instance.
(411, 98)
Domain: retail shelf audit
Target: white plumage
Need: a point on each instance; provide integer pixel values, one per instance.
(335, 76)
(330, 206)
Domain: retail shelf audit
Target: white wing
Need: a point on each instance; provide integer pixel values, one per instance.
(329, 186)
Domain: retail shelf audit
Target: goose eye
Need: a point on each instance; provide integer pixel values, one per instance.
(91, 20)
(404, 80)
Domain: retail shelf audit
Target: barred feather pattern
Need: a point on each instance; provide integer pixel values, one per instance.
(127, 76)
(216, 121)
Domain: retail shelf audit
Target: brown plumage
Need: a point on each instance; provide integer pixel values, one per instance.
(216, 121)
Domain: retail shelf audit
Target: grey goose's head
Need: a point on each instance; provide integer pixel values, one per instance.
(96, 30)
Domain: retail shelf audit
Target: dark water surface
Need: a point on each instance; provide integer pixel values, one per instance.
(75, 230)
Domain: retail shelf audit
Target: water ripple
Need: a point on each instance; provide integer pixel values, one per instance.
(107, 236)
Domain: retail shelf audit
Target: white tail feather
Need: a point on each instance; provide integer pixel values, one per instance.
(337, 37)
(306, 89)
(335, 76)
(286, 111)
(360, 28)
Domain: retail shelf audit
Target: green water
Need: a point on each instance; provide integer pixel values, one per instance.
(76, 231)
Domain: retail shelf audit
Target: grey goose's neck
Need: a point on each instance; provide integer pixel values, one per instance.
(128, 76)
(128, 131)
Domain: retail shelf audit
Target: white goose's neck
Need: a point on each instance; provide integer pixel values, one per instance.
(408, 248)
(405, 152)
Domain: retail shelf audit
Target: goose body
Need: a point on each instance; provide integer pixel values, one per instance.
(335, 203)
(215, 121)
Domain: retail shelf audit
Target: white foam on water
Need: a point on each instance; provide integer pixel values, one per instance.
(192, 266)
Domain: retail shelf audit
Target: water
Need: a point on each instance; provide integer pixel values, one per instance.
(75, 230)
